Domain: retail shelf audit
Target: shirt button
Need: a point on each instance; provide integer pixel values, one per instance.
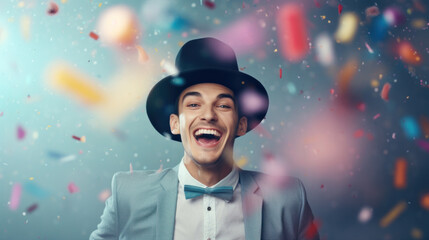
(208, 209)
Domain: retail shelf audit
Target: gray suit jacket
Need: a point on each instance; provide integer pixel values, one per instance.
(143, 206)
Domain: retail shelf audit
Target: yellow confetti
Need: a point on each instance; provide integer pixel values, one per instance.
(416, 233)
(99, 5)
(66, 79)
(83, 139)
(31, 178)
(241, 162)
(347, 27)
(375, 83)
(380, 76)
(393, 214)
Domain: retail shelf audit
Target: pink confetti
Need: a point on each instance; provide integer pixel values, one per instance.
(369, 48)
(104, 195)
(159, 169)
(340, 8)
(15, 196)
(131, 168)
(376, 116)
(72, 188)
(394, 135)
(372, 11)
(361, 107)
(252, 102)
(385, 92)
(332, 91)
(20, 132)
(365, 214)
(292, 32)
(1, 114)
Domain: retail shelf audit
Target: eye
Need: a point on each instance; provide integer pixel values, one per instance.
(192, 105)
(224, 106)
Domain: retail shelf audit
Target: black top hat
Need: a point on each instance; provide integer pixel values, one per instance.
(205, 60)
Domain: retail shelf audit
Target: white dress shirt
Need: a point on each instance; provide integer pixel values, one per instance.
(206, 217)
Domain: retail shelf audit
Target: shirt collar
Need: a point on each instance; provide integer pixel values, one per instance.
(185, 178)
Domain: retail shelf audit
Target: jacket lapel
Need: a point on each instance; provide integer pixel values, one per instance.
(252, 206)
(166, 206)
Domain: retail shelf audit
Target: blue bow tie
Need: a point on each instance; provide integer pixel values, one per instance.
(220, 192)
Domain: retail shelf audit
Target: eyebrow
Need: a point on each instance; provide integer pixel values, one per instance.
(197, 94)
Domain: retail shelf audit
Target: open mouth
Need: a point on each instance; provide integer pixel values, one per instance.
(207, 137)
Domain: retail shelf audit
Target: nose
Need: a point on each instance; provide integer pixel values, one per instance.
(208, 114)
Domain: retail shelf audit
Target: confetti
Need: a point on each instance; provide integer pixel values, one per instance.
(410, 127)
(31, 208)
(408, 54)
(1, 114)
(72, 188)
(424, 123)
(159, 169)
(81, 139)
(423, 145)
(67, 158)
(376, 116)
(346, 74)
(52, 9)
(347, 27)
(365, 214)
(292, 32)
(393, 214)
(393, 16)
(241, 162)
(118, 25)
(424, 201)
(280, 73)
(325, 50)
(104, 195)
(32, 188)
(131, 168)
(20, 132)
(65, 78)
(369, 48)
(209, 4)
(15, 196)
(340, 8)
(252, 102)
(385, 92)
(372, 11)
(25, 27)
(359, 133)
(400, 177)
(142, 55)
(93, 35)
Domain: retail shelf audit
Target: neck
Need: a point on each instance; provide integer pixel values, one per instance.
(208, 175)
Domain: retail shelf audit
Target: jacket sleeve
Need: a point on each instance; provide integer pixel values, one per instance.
(107, 229)
(308, 228)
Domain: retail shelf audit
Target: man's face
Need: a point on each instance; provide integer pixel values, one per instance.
(208, 123)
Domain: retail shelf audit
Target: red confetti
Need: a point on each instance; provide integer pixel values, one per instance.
(311, 231)
(281, 73)
(292, 32)
(52, 9)
(209, 4)
(340, 8)
(20, 133)
(317, 3)
(72, 188)
(322, 186)
(75, 137)
(359, 133)
(93, 35)
(332, 91)
(31, 208)
(385, 92)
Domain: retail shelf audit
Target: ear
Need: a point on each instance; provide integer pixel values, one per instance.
(242, 126)
(174, 124)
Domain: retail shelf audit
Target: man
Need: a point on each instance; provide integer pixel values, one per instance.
(206, 196)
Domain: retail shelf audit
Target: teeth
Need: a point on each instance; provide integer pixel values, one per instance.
(207, 131)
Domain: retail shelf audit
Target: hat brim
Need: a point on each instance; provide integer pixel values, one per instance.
(161, 101)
